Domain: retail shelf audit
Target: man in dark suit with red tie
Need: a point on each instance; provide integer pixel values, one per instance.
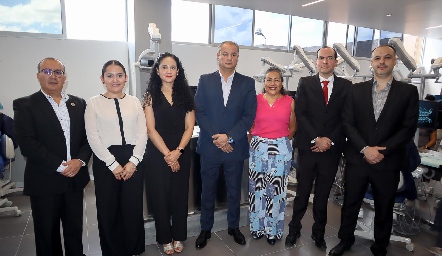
(50, 130)
(320, 139)
(380, 117)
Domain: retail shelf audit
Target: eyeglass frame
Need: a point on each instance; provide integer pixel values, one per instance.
(49, 72)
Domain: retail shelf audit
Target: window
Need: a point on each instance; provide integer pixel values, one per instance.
(337, 33)
(233, 23)
(42, 16)
(376, 38)
(413, 45)
(351, 39)
(386, 35)
(271, 29)
(307, 33)
(98, 21)
(364, 42)
(190, 22)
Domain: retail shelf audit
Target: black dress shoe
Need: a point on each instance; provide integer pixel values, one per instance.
(339, 249)
(319, 242)
(256, 236)
(290, 240)
(237, 236)
(377, 251)
(201, 241)
(271, 241)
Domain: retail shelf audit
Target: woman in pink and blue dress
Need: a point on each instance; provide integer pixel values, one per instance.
(270, 158)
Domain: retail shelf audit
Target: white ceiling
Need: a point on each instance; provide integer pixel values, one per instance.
(408, 16)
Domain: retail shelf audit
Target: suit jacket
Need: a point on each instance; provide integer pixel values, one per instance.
(41, 140)
(395, 126)
(316, 119)
(234, 119)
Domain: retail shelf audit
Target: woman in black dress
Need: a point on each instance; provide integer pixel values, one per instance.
(170, 116)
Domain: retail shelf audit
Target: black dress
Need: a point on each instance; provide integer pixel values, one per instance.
(166, 190)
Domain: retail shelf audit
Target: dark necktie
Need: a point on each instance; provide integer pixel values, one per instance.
(325, 91)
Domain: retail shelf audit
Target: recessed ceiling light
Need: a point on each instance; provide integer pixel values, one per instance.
(389, 14)
(314, 2)
(440, 26)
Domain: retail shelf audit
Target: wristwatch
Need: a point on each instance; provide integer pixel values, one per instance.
(229, 138)
(181, 150)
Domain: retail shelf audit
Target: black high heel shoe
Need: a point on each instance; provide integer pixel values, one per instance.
(271, 240)
(256, 236)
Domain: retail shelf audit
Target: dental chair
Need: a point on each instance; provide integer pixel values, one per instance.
(367, 232)
(7, 186)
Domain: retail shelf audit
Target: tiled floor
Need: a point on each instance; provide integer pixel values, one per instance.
(17, 236)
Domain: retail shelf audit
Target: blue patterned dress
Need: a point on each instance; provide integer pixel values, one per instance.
(269, 166)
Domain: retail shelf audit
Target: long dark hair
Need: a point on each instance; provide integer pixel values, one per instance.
(181, 96)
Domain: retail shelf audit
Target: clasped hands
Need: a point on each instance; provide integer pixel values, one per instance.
(221, 142)
(322, 144)
(73, 167)
(372, 155)
(125, 172)
(171, 159)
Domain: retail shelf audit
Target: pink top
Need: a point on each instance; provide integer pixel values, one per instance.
(272, 121)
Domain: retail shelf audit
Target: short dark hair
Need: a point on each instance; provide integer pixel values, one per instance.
(112, 62)
(49, 58)
(385, 45)
(327, 47)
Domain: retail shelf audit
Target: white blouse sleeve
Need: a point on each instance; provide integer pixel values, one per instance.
(94, 138)
(141, 134)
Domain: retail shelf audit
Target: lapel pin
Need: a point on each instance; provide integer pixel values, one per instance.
(72, 104)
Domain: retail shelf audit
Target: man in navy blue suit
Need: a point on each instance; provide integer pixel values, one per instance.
(225, 110)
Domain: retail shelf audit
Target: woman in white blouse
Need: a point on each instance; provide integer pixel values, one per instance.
(117, 133)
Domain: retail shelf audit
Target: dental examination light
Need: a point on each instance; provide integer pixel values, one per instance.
(340, 71)
(268, 61)
(436, 65)
(259, 33)
(346, 56)
(402, 54)
(410, 63)
(148, 56)
(299, 52)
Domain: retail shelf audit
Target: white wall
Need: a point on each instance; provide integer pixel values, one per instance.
(83, 60)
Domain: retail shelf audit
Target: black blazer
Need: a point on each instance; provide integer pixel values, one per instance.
(235, 118)
(314, 118)
(395, 126)
(41, 140)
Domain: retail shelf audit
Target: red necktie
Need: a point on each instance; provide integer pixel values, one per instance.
(325, 91)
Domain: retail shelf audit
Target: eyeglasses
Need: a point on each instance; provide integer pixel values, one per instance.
(49, 72)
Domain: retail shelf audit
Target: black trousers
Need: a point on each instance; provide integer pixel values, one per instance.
(384, 185)
(313, 167)
(119, 207)
(47, 211)
(168, 193)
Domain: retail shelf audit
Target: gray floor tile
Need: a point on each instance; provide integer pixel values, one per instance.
(27, 246)
(17, 238)
(10, 245)
(13, 226)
